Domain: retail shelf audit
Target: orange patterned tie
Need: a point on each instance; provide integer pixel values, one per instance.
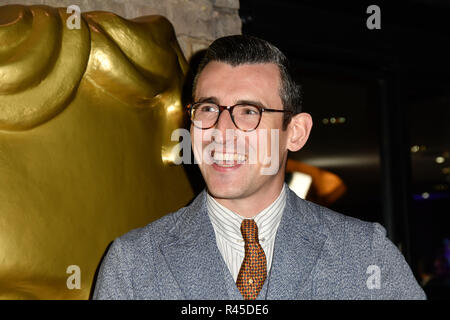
(253, 270)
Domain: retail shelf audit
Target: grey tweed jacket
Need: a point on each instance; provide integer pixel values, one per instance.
(318, 254)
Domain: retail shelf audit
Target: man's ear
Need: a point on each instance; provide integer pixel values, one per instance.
(298, 131)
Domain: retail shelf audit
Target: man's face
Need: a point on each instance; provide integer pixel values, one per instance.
(226, 85)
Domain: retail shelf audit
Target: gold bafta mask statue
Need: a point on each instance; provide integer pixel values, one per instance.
(86, 116)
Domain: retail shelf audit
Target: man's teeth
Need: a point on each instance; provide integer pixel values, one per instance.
(228, 159)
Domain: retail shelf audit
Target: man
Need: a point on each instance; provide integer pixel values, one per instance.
(247, 235)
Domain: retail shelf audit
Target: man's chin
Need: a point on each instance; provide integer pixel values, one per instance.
(223, 191)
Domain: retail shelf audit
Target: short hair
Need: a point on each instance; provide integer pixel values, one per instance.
(243, 49)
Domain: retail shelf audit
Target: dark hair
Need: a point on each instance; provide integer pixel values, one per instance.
(242, 49)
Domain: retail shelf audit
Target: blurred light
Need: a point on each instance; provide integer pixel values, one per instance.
(446, 170)
(170, 156)
(439, 195)
(334, 120)
(415, 148)
(350, 160)
(440, 159)
(431, 196)
(300, 184)
(171, 109)
(105, 61)
(441, 187)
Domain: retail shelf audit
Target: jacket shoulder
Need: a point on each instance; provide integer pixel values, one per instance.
(129, 266)
(361, 251)
(358, 238)
(153, 233)
(334, 224)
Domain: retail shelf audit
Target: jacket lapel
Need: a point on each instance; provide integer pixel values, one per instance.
(196, 264)
(192, 255)
(297, 249)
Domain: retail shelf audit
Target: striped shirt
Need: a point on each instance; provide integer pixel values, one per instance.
(227, 227)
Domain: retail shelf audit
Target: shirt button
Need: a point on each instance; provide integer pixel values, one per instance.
(250, 281)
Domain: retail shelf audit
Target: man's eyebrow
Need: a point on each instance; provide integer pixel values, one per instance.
(208, 99)
(245, 101)
(251, 102)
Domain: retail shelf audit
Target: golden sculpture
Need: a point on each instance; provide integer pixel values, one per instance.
(86, 117)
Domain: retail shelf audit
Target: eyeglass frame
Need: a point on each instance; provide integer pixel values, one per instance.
(230, 109)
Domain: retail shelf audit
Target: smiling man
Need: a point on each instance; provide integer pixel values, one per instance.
(255, 110)
(247, 236)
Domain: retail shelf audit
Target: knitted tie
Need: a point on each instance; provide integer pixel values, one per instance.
(253, 270)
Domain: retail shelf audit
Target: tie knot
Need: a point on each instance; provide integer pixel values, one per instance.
(249, 230)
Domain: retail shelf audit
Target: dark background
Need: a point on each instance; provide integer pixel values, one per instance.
(392, 86)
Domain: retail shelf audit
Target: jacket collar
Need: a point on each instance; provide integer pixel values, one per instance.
(298, 244)
(192, 255)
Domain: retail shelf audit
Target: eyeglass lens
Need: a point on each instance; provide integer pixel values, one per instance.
(245, 117)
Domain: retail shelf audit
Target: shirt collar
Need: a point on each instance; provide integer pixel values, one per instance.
(228, 223)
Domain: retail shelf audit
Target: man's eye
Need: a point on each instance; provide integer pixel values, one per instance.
(249, 110)
(208, 108)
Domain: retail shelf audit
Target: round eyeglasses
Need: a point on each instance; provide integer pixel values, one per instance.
(246, 117)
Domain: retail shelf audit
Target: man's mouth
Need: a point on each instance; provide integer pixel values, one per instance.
(228, 160)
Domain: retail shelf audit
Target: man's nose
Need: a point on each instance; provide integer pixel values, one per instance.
(225, 122)
(223, 126)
